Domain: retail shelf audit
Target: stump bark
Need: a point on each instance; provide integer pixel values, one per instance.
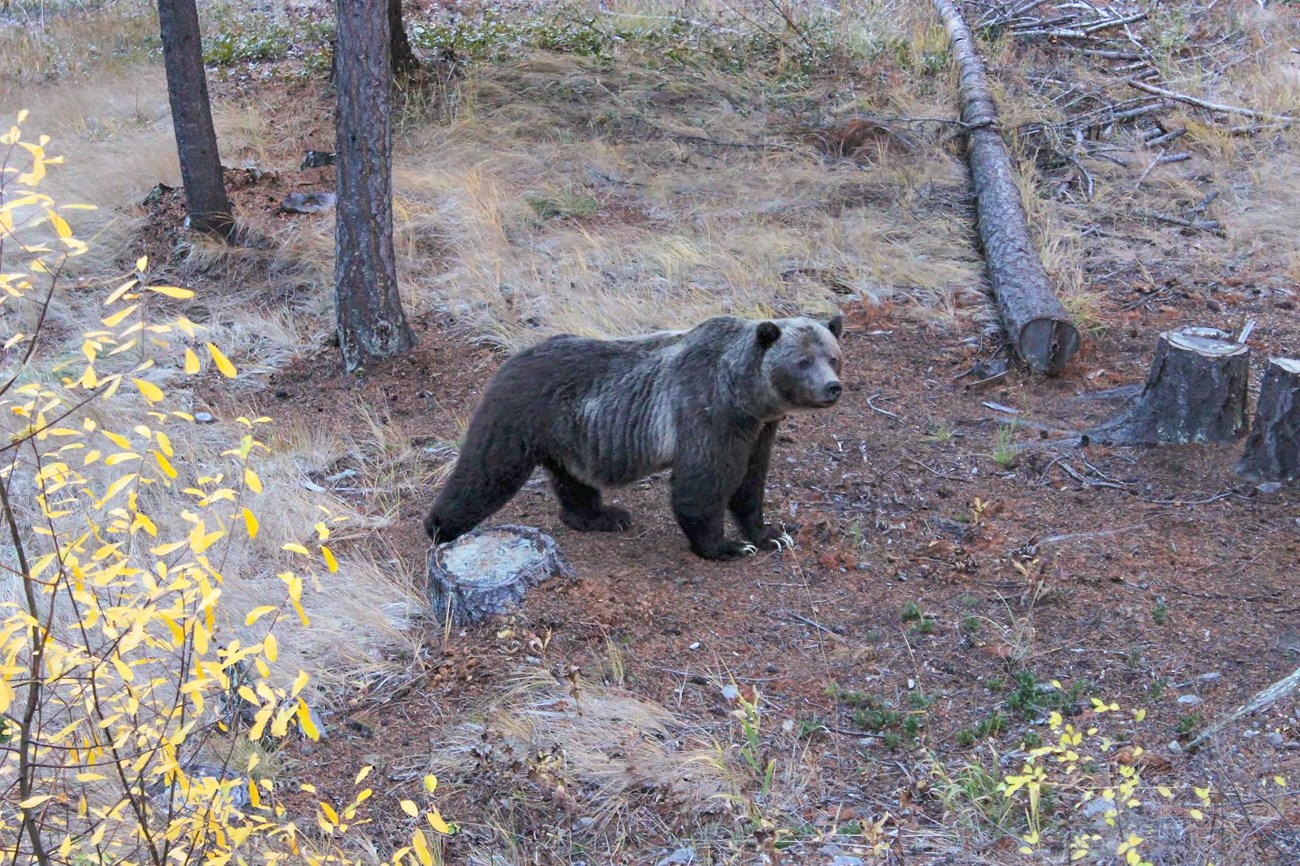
(1273, 449)
(1195, 392)
(1039, 326)
(487, 572)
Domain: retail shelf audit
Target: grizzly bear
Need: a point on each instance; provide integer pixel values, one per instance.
(605, 413)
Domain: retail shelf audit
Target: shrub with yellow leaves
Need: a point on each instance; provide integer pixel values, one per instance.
(122, 701)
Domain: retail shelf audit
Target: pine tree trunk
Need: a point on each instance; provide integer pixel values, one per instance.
(405, 63)
(196, 140)
(1039, 327)
(1273, 449)
(371, 323)
(1195, 392)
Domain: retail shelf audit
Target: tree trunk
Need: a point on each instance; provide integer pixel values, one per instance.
(1195, 392)
(405, 63)
(371, 323)
(1273, 449)
(196, 140)
(486, 572)
(1038, 325)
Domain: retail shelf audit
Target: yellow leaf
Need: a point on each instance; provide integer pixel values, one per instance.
(171, 292)
(61, 227)
(151, 392)
(304, 721)
(330, 562)
(299, 683)
(436, 822)
(271, 648)
(192, 365)
(294, 547)
(252, 481)
(250, 523)
(117, 318)
(257, 613)
(33, 802)
(410, 808)
(361, 776)
(421, 848)
(1197, 815)
(164, 464)
(223, 363)
(431, 783)
(142, 263)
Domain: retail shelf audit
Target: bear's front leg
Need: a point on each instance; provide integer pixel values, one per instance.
(746, 504)
(699, 504)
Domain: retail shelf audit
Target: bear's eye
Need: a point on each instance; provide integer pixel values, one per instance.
(805, 363)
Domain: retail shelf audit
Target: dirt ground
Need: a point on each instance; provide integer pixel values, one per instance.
(929, 583)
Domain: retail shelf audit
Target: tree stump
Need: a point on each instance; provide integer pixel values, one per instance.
(1195, 392)
(1273, 449)
(488, 571)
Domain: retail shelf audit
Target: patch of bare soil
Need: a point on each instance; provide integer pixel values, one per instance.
(1144, 576)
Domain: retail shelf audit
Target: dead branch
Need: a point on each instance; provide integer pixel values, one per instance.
(1210, 106)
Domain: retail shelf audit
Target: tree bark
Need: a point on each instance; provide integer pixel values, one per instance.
(196, 140)
(1039, 327)
(486, 572)
(1195, 392)
(1273, 449)
(371, 323)
(405, 63)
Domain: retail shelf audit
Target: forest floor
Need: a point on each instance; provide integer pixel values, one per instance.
(960, 577)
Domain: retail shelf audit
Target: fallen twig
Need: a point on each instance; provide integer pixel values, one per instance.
(934, 471)
(874, 408)
(1211, 106)
(1214, 227)
(1262, 699)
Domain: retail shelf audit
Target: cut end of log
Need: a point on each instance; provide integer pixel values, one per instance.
(1048, 344)
(1206, 342)
(487, 572)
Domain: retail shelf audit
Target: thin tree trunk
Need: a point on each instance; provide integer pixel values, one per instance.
(196, 140)
(371, 323)
(405, 63)
(1039, 327)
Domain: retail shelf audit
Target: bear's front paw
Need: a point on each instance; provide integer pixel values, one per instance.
(726, 550)
(610, 518)
(772, 538)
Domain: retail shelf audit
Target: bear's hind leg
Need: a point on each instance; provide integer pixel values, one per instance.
(476, 490)
(580, 505)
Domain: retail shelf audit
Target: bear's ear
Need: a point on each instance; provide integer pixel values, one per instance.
(836, 325)
(768, 333)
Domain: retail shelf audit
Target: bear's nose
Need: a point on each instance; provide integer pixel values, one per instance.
(832, 392)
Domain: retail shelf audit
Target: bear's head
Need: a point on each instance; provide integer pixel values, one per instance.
(801, 361)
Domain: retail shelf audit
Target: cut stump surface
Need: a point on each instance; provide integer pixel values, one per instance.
(487, 572)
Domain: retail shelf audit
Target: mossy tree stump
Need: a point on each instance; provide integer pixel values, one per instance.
(1195, 392)
(487, 572)
(1273, 449)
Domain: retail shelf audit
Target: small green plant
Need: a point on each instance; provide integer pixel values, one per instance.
(1030, 698)
(562, 204)
(971, 624)
(912, 612)
(995, 684)
(809, 728)
(939, 433)
(1188, 725)
(750, 715)
(1004, 446)
(1160, 612)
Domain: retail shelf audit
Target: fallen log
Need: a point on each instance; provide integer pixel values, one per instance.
(1195, 392)
(487, 572)
(1039, 327)
(1273, 448)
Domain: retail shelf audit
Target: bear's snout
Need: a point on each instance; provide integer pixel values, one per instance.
(831, 392)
